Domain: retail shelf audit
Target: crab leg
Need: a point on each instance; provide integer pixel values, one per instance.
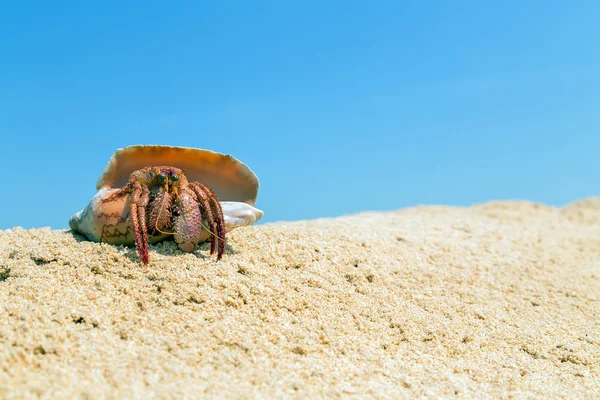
(139, 200)
(119, 193)
(142, 216)
(203, 198)
(160, 210)
(212, 208)
(220, 221)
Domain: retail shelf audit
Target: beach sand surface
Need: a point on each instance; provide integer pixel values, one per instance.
(497, 300)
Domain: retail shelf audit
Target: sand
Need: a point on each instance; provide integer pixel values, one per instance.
(500, 300)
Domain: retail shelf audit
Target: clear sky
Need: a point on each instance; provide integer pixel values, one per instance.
(338, 106)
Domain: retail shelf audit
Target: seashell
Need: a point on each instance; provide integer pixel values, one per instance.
(230, 179)
(107, 217)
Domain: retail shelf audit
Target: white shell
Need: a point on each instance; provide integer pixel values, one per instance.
(238, 214)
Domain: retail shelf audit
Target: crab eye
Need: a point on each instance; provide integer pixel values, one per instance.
(162, 176)
(174, 177)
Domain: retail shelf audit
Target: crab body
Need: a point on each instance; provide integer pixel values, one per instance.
(142, 200)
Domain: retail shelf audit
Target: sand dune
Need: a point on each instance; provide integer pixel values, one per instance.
(494, 300)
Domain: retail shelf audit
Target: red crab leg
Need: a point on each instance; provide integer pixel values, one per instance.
(142, 216)
(137, 210)
(121, 192)
(206, 207)
(160, 213)
(212, 208)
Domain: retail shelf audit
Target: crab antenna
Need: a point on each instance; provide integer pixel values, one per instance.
(158, 229)
(208, 230)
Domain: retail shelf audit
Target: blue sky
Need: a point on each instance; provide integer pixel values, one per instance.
(338, 106)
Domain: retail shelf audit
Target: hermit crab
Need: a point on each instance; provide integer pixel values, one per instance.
(147, 194)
